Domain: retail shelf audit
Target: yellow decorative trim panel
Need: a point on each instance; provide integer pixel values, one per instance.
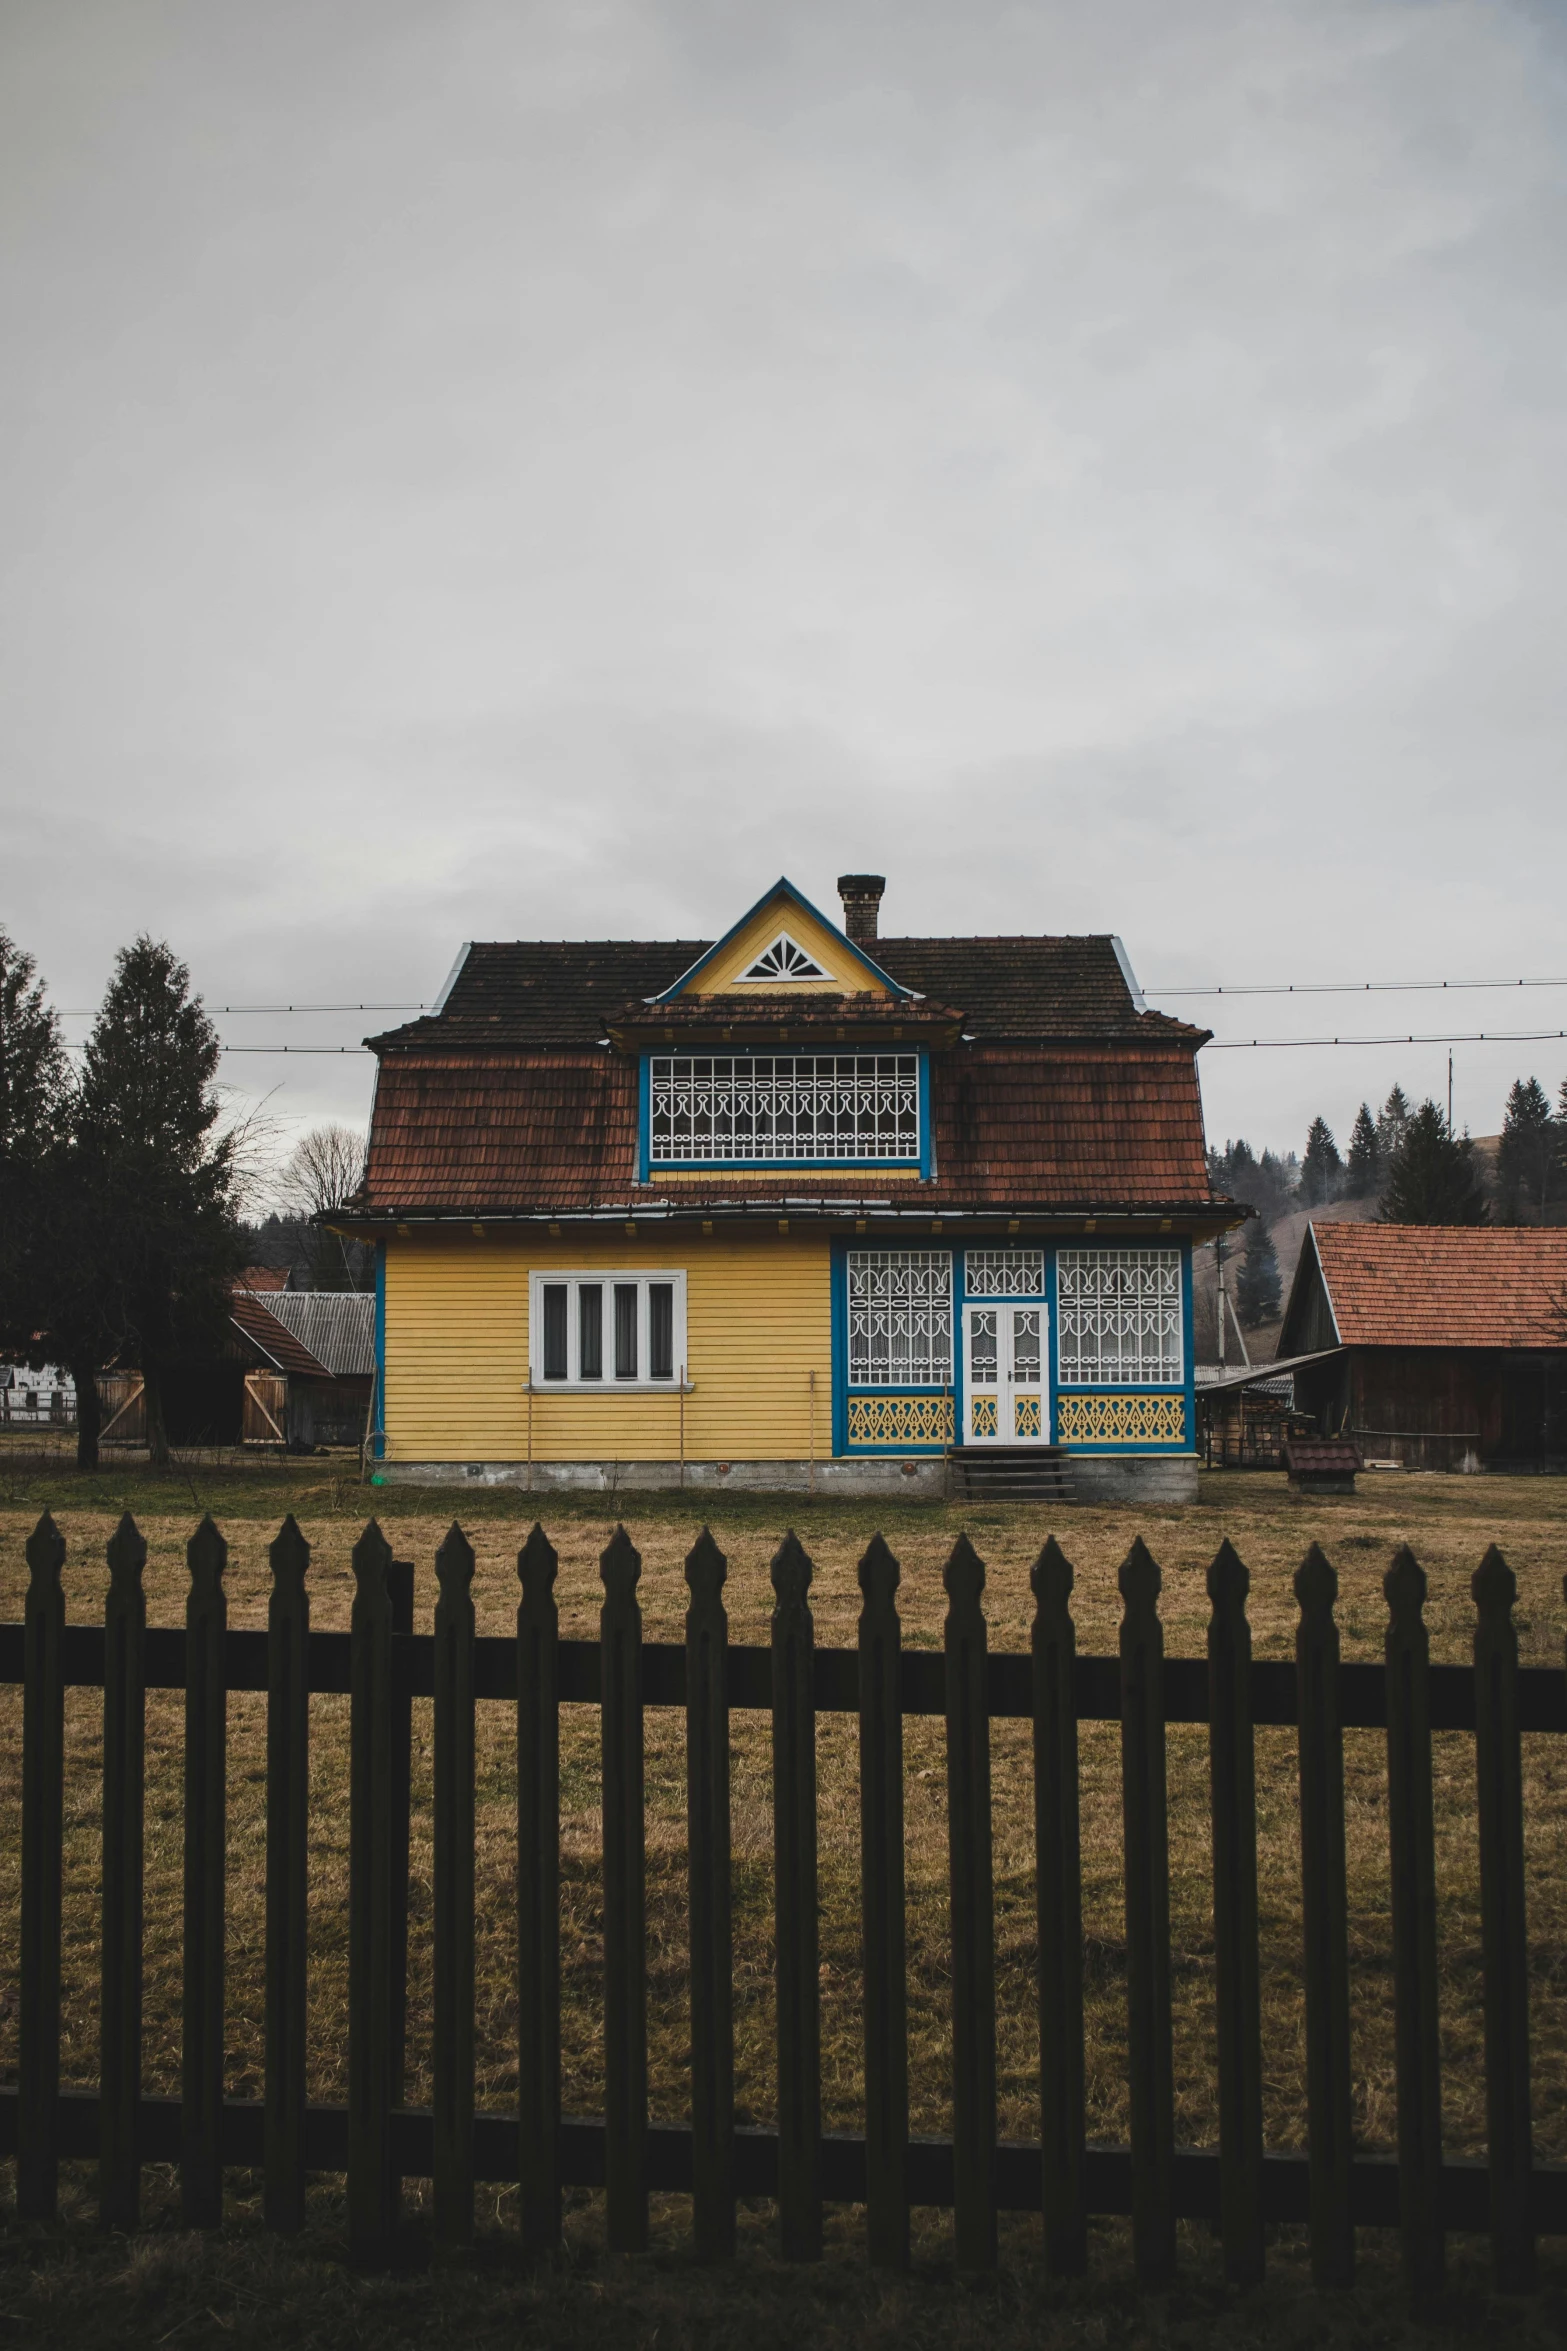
(982, 1416)
(900, 1420)
(1025, 1411)
(1121, 1420)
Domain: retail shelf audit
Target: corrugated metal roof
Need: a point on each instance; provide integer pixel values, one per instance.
(338, 1327)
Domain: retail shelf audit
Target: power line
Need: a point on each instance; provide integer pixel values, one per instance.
(295, 1009)
(293, 1050)
(1248, 988)
(1462, 1037)
(1351, 987)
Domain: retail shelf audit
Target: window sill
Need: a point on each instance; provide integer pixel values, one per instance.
(609, 1387)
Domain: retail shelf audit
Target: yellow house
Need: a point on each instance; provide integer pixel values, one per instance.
(802, 1207)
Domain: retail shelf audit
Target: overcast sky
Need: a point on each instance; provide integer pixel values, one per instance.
(500, 470)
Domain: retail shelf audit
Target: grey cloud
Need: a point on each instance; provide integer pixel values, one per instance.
(551, 468)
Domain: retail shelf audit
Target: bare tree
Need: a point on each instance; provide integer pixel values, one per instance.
(323, 1171)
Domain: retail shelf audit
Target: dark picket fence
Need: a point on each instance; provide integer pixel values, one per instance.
(377, 2141)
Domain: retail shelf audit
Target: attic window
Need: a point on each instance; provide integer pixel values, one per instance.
(785, 959)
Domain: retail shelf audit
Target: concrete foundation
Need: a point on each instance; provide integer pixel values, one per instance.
(921, 1478)
(1135, 1479)
(1096, 1477)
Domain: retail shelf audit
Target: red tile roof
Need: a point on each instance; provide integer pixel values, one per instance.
(1086, 1126)
(1397, 1285)
(264, 1331)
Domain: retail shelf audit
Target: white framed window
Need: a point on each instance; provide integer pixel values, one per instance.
(1118, 1318)
(773, 1109)
(599, 1331)
(900, 1318)
(1004, 1273)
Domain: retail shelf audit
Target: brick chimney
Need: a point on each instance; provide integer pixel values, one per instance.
(861, 895)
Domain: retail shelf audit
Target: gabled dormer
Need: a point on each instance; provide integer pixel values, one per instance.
(785, 1045)
(783, 942)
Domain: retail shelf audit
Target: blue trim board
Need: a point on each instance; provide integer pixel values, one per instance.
(1052, 1434)
(379, 1433)
(838, 1286)
(1188, 1341)
(644, 1115)
(783, 888)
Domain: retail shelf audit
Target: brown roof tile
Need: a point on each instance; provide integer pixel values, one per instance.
(1395, 1285)
(263, 1329)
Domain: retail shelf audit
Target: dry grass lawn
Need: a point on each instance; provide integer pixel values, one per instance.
(1447, 1521)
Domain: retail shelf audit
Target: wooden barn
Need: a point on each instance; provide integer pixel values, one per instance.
(1437, 1346)
(296, 1369)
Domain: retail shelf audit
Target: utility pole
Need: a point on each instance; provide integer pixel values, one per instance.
(1218, 1251)
(1449, 1089)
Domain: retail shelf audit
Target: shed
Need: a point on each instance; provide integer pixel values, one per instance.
(297, 1369)
(319, 1346)
(1439, 1346)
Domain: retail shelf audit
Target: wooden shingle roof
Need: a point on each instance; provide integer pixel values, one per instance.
(547, 992)
(1052, 1090)
(1081, 1127)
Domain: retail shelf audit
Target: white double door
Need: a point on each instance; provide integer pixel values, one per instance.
(1004, 1399)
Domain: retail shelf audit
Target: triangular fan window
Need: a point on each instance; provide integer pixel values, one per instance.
(784, 960)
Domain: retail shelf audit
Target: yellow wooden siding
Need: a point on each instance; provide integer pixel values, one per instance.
(758, 1323)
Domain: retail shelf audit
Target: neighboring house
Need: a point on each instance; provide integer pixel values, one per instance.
(1440, 1346)
(36, 1399)
(804, 1206)
(297, 1369)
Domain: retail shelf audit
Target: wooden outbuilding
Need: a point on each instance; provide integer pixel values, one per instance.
(1434, 1346)
(297, 1369)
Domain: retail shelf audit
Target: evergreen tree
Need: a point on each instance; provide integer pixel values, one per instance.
(1322, 1170)
(1363, 1167)
(1391, 1126)
(34, 1108)
(1432, 1179)
(151, 1168)
(1257, 1290)
(1525, 1155)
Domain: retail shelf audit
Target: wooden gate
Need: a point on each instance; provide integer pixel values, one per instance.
(264, 1414)
(122, 1400)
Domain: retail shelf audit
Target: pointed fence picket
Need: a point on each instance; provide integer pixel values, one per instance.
(383, 1664)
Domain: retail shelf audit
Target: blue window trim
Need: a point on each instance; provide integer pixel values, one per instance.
(650, 1172)
(840, 1363)
(1053, 1435)
(378, 1434)
(839, 1291)
(1187, 1382)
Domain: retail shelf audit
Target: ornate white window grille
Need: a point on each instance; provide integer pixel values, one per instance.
(1004, 1273)
(817, 1109)
(900, 1318)
(1118, 1317)
(785, 960)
